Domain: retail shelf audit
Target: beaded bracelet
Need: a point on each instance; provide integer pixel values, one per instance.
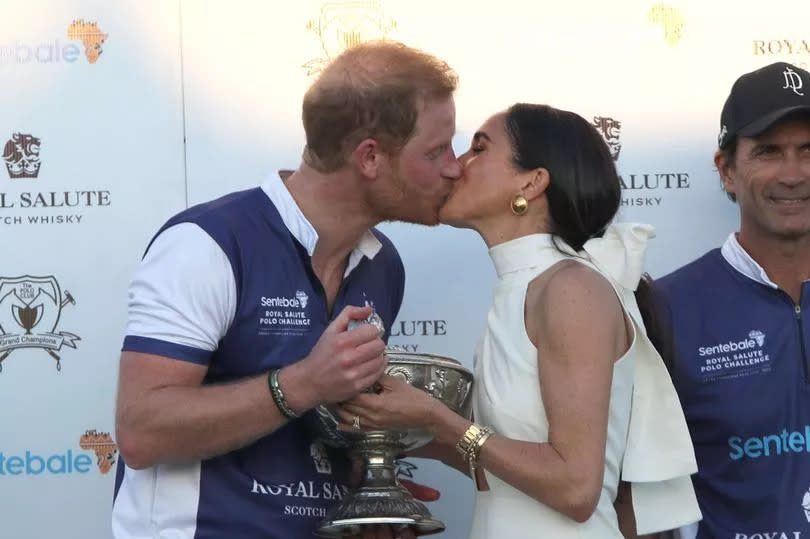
(278, 395)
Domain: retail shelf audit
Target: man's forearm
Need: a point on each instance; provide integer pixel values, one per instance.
(181, 423)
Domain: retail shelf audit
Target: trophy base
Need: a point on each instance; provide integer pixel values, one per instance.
(353, 527)
(392, 506)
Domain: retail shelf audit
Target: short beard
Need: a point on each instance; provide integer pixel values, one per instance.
(392, 204)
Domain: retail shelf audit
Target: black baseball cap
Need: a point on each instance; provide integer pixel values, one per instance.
(761, 98)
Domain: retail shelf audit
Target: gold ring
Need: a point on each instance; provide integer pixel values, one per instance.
(356, 422)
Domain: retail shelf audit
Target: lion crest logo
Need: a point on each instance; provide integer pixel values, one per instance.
(610, 130)
(21, 155)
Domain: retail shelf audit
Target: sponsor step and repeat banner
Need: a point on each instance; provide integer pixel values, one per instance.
(118, 114)
(91, 135)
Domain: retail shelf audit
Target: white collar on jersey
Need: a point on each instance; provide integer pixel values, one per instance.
(740, 260)
(303, 231)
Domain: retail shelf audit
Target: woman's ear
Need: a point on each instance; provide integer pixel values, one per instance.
(536, 184)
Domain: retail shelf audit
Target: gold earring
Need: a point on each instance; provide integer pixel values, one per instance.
(520, 205)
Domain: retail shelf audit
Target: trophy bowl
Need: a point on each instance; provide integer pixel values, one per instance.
(380, 498)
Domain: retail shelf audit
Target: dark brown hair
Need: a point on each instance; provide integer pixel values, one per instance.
(584, 193)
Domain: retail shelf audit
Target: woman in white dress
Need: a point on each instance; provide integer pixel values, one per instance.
(570, 398)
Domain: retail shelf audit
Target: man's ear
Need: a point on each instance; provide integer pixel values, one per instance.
(367, 158)
(536, 184)
(724, 168)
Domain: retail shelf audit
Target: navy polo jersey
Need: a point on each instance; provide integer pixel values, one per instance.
(282, 485)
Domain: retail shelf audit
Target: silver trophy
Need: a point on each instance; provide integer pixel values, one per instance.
(380, 499)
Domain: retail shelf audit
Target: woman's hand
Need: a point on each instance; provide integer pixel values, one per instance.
(397, 405)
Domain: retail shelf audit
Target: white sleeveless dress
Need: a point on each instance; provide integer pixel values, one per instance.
(647, 439)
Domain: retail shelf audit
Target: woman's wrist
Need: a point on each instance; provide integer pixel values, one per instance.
(435, 416)
(446, 425)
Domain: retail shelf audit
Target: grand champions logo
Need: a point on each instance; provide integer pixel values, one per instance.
(30, 311)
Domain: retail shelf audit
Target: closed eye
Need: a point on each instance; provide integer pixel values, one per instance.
(438, 152)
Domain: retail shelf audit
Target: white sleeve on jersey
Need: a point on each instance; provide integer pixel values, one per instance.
(184, 291)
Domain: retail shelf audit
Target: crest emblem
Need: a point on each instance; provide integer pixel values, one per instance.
(320, 458)
(30, 309)
(610, 130)
(21, 154)
(344, 24)
(722, 136)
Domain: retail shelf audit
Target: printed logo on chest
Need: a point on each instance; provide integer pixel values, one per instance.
(284, 315)
(734, 358)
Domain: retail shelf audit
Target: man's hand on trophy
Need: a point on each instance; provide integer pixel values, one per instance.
(396, 405)
(341, 364)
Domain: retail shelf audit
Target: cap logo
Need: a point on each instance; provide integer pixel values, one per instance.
(793, 81)
(722, 136)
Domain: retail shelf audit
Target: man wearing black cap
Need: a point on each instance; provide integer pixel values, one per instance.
(741, 338)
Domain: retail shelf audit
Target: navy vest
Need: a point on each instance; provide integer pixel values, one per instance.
(281, 486)
(741, 370)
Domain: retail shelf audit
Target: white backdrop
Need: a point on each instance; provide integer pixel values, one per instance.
(113, 128)
(227, 78)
